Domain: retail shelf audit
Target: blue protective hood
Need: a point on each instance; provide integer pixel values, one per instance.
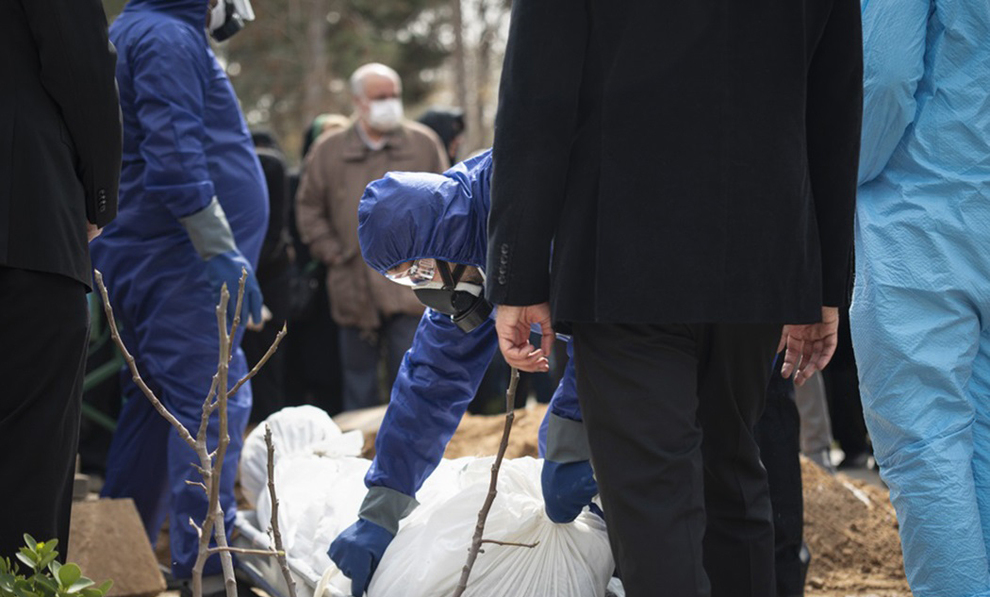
(190, 11)
(414, 215)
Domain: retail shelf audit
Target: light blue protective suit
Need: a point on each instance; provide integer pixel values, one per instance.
(185, 141)
(407, 216)
(921, 307)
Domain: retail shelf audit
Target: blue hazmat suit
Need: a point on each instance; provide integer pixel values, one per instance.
(185, 142)
(920, 315)
(407, 216)
(443, 217)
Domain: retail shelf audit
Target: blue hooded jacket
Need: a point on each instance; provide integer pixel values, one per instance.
(407, 216)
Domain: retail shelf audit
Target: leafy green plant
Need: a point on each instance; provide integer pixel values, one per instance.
(48, 577)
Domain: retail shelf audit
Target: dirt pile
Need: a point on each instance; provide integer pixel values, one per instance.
(851, 530)
(480, 435)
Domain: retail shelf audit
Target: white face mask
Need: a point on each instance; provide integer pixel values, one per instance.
(223, 28)
(218, 15)
(385, 115)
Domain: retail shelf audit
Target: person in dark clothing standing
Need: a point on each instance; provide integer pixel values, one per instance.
(674, 182)
(313, 369)
(448, 124)
(60, 146)
(274, 272)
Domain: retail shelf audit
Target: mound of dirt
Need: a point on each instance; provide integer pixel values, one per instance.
(851, 530)
(480, 435)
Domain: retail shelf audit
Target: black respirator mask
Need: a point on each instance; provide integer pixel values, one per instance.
(228, 17)
(464, 301)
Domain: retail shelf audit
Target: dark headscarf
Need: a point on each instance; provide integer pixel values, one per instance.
(447, 123)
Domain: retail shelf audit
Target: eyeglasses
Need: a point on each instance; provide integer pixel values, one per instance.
(420, 272)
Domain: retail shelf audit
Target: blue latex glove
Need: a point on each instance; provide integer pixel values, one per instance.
(357, 552)
(226, 268)
(567, 488)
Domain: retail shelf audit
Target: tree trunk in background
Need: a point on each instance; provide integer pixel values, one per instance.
(489, 17)
(316, 60)
(460, 74)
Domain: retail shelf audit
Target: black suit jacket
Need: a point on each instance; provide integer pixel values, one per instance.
(686, 161)
(60, 133)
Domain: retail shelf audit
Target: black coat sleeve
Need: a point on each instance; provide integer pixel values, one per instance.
(834, 119)
(534, 131)
(78, 65)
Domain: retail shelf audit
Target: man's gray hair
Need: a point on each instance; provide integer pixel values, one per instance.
(374, 68)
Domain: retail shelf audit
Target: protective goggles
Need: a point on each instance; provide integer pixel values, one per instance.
(419, 273)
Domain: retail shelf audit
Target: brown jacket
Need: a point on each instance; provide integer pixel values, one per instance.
(336, 172)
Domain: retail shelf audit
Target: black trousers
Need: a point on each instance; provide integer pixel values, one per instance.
(670, 411)
(44, 323)
(777, 434)
(842, 389)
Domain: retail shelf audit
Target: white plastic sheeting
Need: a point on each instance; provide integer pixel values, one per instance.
(426, 557)
(297, 432)
(321, 488)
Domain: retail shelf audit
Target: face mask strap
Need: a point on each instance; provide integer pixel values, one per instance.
(449, 280)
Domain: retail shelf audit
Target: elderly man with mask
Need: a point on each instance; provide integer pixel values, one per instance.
(427, 232)
(193, 214)
(373, 314)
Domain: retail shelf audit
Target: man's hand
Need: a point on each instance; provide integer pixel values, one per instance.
(809, 346)
(513, 327)
(92, 231)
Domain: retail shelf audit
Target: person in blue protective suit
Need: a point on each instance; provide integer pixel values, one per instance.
(427, 231)
(193, 214)
(920, 316)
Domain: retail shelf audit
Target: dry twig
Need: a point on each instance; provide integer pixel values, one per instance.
(210, 463)
(276, 533)
(479, 529)
(261, 363)
(243, 551)
(510, 543)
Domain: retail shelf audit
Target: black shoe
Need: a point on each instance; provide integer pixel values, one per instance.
(862, 460)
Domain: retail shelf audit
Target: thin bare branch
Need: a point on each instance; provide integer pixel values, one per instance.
(276, 533)
(205, 419)
(237, 313)
(241, 550)
(261, 363)
(198, 484)
(210, 463)
(510, 543)
(479, 529)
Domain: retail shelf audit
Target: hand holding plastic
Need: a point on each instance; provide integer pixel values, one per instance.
(226, 268)
(567, 488)
(357, 552)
